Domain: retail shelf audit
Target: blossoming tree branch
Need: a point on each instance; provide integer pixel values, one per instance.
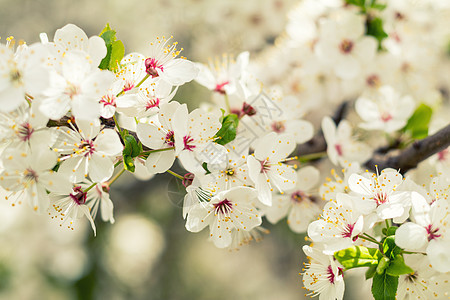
(350, 85)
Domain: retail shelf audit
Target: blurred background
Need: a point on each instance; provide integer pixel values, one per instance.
(147, 253)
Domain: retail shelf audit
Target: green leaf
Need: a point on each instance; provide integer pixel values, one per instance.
(358, 256)
(227, 132)
(107, 27)
(391, 230)
(115, 49)
(128, 163)
(398, 267)
(382, 265)
(418, 123)
(132, 148)
(384, 286)
(371, 271)
(205, 167)
(359, 3)
(374, 27)
(390, 249)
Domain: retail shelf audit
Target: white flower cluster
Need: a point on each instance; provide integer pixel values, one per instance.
(418, 217)
(62, 102)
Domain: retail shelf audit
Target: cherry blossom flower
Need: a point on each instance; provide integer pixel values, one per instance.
(343, 46)
(78, 88)
(22, 76)
(301, 205)
(422, 283)
(98, 198)
(29, 176)
(227, 211)
(221, 76)
(70, 38)
(88, 150)
(388, 113)
(193, 133)
(69, 207)
(378, 194)
(266, 169)
(162, 64)
(24, 127)
(159, 134)
(339, 226)
(429, 231)
(342, 147)
(322, 276)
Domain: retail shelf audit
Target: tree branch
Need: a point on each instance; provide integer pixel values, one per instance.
(408, 158)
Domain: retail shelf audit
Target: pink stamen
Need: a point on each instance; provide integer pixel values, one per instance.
(220, 87)
(225, 206)
(186, 140)
(151, 66)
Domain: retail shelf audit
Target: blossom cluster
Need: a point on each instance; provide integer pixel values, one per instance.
(76, 113)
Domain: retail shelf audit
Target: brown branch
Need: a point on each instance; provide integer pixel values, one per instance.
(408, 158)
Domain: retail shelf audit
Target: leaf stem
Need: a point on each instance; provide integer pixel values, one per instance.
(370, 238)
(90, 187)
(227, 102)
(115, 177)
(175, 174)
(156, 150)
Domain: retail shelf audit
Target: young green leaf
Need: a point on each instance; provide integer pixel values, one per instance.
(371, 272)
(384, 286)
(398, 267)
(358, 256)
(382, 265)
(390, 249)
(227, 132)
(128, 163)
(418, 123)
(115, 49)
(205, 167)
(374, 27)
(132, 148)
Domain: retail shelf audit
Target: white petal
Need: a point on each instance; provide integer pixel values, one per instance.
(411, 236)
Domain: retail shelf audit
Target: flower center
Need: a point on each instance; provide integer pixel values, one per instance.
(86, 148)
(432, 232)
(248, 110)
(331, 275)
(31, 175)
(187, 139)
(229, 172)
(128, 85)
(298, 196)
(373, 80)
(108, 99)
(338, 148)
(72, 90)
(385, 117)
(151, 66)
(380, 198)
(25, 131)
(346, 46)
(78, 196)
(15, 77)
(154, 102)
(170, 140)
(220, 87)
(264, 166)
(278, 126)
(348, 230)
(224, 207)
